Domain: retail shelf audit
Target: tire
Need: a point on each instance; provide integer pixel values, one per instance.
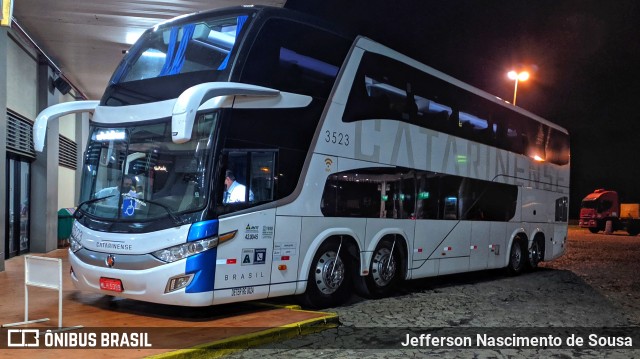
(329, 282)
(536, 254)
(385, 271)
(517, 257)
(633, 229)
(594, 230)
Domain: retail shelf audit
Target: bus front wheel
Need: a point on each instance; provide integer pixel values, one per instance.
(329, 276)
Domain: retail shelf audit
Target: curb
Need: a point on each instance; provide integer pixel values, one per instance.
(221, 348)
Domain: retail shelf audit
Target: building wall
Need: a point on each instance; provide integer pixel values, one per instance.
(22, 79)
(66, 185)
(66, 176)
(68, 122)
(4, 39)
(68, 126)
(26, 88)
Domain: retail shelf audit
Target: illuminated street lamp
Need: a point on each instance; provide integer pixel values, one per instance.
(517, 76)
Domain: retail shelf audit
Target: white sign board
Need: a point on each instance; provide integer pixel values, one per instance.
(43, 272)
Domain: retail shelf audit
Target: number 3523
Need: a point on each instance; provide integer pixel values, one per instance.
(338, 138)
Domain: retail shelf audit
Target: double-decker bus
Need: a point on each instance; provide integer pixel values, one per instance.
(248, 153)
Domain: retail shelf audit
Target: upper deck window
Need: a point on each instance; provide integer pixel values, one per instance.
(205, 45)
(385, 88)
(295, 57)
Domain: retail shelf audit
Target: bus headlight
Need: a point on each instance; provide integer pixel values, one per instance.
(182, 251)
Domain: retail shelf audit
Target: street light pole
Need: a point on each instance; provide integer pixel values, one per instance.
(515, 91)
(521, 76)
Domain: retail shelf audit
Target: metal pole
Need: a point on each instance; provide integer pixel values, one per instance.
(26, 291)
(59, 293)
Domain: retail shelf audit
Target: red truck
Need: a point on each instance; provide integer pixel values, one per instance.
(603, 206)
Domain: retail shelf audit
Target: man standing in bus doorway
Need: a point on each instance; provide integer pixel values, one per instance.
(235, 192)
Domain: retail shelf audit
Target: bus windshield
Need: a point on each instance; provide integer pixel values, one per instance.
(137, 173)
(179, 48)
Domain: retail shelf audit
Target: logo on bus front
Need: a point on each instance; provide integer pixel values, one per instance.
(110, 261)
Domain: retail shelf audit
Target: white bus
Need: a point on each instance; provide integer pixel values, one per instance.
(358, 168)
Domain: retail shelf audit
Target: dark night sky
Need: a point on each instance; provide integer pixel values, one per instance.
(585, 56)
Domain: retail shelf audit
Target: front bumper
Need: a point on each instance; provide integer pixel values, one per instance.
(146, 284)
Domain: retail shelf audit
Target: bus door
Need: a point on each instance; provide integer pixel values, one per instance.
(559, 227)
(243, 266)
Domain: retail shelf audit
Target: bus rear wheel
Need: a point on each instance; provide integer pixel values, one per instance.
(536, 254)
(517, 257)
(329, 276)
(384, 273)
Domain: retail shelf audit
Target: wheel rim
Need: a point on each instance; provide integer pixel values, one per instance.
(383, 267)
(329, 273)
(535, 253)
(516, 255)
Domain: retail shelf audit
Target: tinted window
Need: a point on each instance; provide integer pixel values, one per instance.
(407, 194)
(488, 201)
(562, 209)
(389, 89)
(204, 45)
(249, 177)
(294, 57)
(371, 193)
(168, 59)
(288, 132)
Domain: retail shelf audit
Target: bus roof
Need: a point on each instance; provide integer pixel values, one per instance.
(270, 11)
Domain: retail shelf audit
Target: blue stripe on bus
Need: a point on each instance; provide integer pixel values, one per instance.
(203, 265)
(201, 230)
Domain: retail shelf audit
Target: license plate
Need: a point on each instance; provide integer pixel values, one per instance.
(114, 285)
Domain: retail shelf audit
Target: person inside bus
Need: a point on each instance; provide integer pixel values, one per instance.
(235, 192)
(126, 186)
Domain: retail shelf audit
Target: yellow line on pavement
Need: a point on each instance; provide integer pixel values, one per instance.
(231, 345)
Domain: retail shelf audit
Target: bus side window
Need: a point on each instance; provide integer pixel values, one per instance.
(235, 179)
(403, 190)
(562, 209)
(451, 207)
(262, 175)
(427, 196)
(252, 170)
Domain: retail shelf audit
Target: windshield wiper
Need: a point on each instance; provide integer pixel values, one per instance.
(164, 206)
(77, 215)
(173, 216)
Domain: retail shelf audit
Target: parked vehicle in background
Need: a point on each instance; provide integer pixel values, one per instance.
(604, 206)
